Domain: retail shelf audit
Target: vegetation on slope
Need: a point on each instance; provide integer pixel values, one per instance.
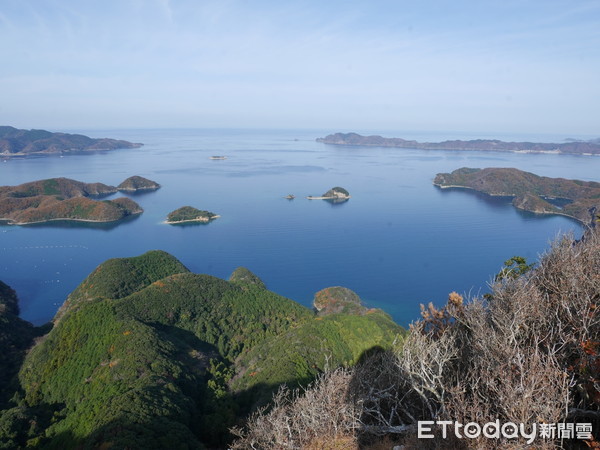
(190, 214)
(531, 192)
(137, 183)
(528, 353)
(40, 142)
(149, 355)
(337, 299)
(337, 192)
(572, 147)
(120, 277)
(66, 199)
(244, 277)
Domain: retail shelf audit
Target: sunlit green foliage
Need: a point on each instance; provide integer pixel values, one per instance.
(514, 268)
(146, 354)
(244, 277)
(189, 213)
(119, 277)
(318, 344)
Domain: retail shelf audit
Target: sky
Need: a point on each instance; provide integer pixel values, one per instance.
(480, 66)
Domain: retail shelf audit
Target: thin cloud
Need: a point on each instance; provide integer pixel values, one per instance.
(303, 61)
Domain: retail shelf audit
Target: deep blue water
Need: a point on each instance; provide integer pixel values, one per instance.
(398, 242)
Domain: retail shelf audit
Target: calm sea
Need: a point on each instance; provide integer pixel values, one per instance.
(398, 242)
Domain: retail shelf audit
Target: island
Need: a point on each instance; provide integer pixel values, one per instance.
(541, 195)
(190, 214)
(16, 142)
(137, 183)
(572, 146)
(336, 193)
(56, 199)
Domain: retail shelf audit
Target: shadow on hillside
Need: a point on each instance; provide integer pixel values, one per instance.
(155, 432)
(24, 426)
(376, 386)
(492, 201)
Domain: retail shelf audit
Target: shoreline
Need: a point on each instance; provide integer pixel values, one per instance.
(137, 189)
(459, 149)
(65, 219)
(203, 220)
(310, 197)
(66, 152)
(548, 213)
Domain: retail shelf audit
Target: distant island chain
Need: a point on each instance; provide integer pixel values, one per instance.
(15, 142)
(573, 146)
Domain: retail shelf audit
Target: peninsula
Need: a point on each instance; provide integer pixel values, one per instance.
(530, 192)
(572, 147)
(65, 199)
(15, 142)
(336, 193)
(190, 214)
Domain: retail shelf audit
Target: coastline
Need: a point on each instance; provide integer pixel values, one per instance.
(61, 152)
(549, 213)
(203, 220)
(473, 145)
(553, 213)
(65, 219)
(310, 197)
(137, 189)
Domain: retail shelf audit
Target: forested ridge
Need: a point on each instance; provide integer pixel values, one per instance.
(146, 354)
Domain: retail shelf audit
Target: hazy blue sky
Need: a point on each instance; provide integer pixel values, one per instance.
(505, 66)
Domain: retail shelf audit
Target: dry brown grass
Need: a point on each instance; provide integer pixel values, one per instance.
(529, 353)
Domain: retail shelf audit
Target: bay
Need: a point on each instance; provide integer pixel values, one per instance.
(399, 241)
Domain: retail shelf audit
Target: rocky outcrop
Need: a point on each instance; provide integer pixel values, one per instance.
(572, 147)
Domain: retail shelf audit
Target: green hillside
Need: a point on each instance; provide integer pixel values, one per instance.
(149, 355)
(67, 199)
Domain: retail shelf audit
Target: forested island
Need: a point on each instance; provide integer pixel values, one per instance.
(16, 142)
(190, 214)
(137, 183)
(145, 354)
(573, 146)
(337, 193)
(66, 199)
(530, 192)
